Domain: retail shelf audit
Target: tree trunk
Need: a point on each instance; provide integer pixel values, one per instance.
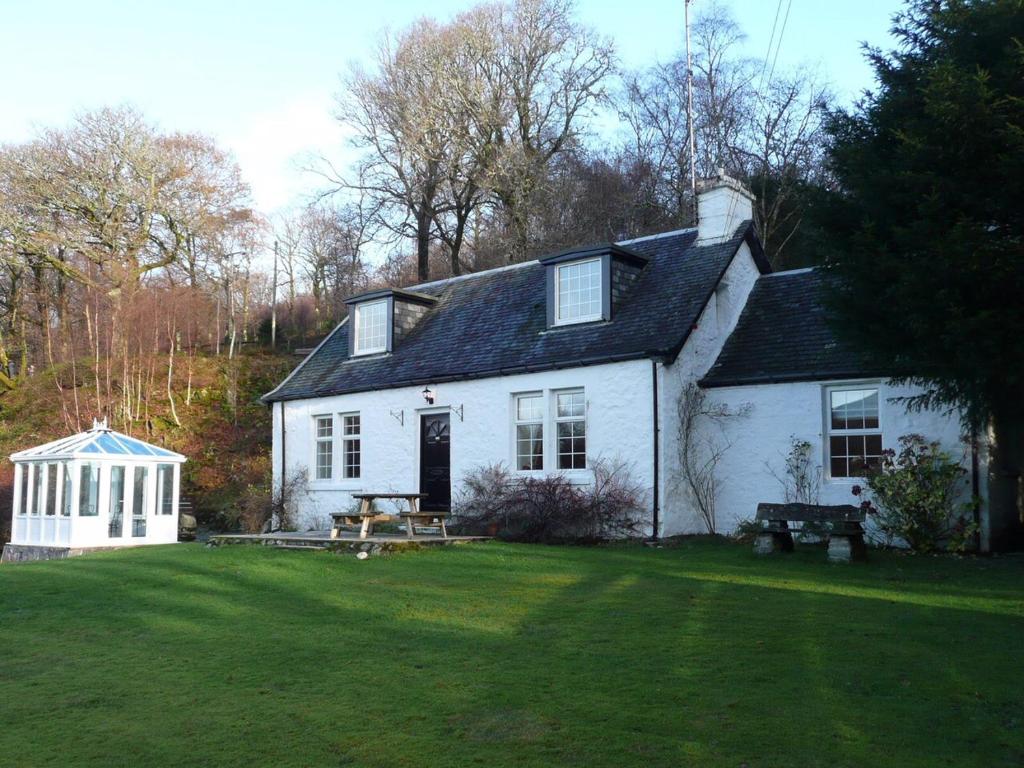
(1006, 484)
(422, 244)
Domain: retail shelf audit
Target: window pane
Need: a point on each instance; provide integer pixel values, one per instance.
(352, 458)
(66, 498)
(165, 479)
(530, 446)
(579, 291)
(89, 490)
(572, 445)
(140, 501)
(371, 326)
(116, 502)
(51, 489)
(351, 425)
(529, 407)
(324, 459)
(37, 489)
(838, 467)
(571, 404)
(23, 469)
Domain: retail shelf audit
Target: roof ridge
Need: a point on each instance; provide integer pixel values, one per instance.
(798, 271)
(657, 236)
(458, 278)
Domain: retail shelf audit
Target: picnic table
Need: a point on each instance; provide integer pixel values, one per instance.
(841, 524)
(366, 517)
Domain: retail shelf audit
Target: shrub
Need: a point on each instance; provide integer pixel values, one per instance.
(259, 510)
(550, 508)
(913, 496)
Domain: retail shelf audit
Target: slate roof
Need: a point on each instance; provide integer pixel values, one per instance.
(783, 335)
(494, 323)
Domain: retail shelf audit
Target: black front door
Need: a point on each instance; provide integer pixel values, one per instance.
(436, 462)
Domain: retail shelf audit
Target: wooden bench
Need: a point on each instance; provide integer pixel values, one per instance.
(843, 524)
(366, 517)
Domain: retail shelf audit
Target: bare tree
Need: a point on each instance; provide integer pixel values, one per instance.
(702, 445)
(768, 133)
(553, 72)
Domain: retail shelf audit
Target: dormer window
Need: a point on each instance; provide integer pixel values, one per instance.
(578, 293)
(378, 320)
(587, 285)
(371, 327)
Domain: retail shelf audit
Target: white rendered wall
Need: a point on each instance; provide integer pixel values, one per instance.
(777, 413)
(714, 326)
(619, 426)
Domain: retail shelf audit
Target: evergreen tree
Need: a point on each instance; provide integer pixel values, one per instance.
(929, 224)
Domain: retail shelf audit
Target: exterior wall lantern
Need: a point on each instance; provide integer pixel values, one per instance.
(428, 395)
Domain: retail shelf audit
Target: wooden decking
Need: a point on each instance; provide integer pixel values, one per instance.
(346, 541)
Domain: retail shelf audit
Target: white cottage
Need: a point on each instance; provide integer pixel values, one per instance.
(547, 364)
(96, 489)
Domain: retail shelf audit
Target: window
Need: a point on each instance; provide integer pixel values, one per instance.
(324, 447)
(854, 433)
(351, 450)
(578, 292)
(140, 501)
(37, 490)
(114, 529)
(89, 490)
(571, 429)
(165, 488)
(66, 498)
(51, 490)
(371, 320)
(23, 503)
(529, 431)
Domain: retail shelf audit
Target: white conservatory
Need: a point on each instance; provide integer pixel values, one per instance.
(99, 488)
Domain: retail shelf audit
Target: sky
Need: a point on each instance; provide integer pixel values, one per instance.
(260, 76)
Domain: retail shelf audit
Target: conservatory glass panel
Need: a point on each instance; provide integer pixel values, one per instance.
(115, 527)
(165, 481)
(23, 508)
(51, 490)
(66, 496)
(140, 501)
(89, 490)
(37, 498)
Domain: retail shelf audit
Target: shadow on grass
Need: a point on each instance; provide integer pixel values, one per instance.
(502, 655)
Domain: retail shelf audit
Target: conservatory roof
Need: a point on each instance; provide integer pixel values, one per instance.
(99, 442)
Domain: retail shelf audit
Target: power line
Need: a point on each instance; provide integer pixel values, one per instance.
(778, 46)
(771, 41)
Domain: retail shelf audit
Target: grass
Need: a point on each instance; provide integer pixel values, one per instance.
(503, 655)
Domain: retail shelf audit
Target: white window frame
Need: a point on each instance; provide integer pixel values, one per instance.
(558, 293)
(319, 440)
(830, 432)
(517, 422)
(357, 312)
(556, 419)
(347, 438)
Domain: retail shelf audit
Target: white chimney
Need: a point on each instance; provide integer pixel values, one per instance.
(723, 204)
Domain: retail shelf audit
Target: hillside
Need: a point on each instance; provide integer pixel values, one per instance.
(225, 431)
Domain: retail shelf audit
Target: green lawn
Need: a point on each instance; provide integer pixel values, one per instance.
(502, 655)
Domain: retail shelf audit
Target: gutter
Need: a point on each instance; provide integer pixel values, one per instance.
(656, 512)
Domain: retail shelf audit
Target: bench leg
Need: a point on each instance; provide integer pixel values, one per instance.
(842, 548)
(444, 530)
(410, 528)
(768, 542)
(334, 530)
